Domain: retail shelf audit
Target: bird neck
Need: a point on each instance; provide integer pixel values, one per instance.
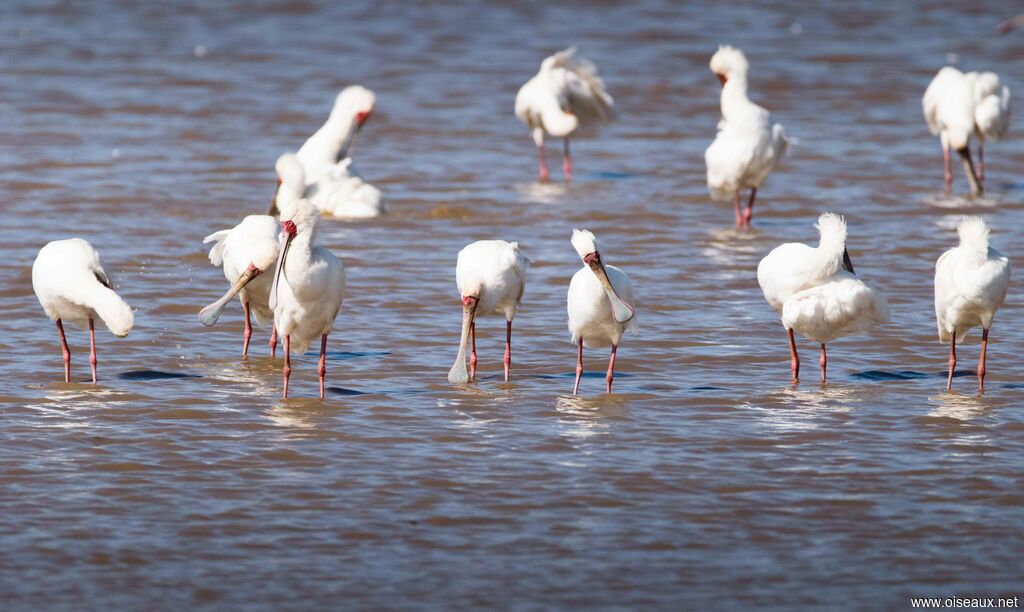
(830, 258)
(734, 94)
(325, 144)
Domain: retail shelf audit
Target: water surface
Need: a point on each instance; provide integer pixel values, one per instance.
(183, 480)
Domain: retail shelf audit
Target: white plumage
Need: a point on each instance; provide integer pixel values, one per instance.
(958, 106)
(342, 193)
(71, 285)
(971, 280)
(566, 94)
(247, 253)
(331, 182)
(491, 277)
(308, 286)
(600, 303)
(747, 147)
(816, 291)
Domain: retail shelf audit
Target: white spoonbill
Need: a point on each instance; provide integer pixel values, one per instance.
(308, 286)
(332, 184)
(960, 105)
(565, 94)
(817, 292)
(248, 250)
(601, 305)
(970, 286)
(71, 285)
(491, 276)
(747, 147)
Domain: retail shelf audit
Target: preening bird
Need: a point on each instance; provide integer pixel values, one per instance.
(248, 250)
(332, 184)
(747, 147)
(491, 277)
(960, 105)
(308, 286)
(970, 285)
(71, 285)
(601, 305)
(564, 95)
(816, 291)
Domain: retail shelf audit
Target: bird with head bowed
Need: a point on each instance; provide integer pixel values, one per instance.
(491, 277)
(816, 291)
(971, 280)
(330, 180)
(564, 96)
(959, 106)
(71, 285)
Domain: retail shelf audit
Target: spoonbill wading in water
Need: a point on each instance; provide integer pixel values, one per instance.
(564, 95)
(308, 286)
(331, 183)
(747, 147)
(71, 285)
(960, 105)
(601, 305)
(247, 251)
(491, 276)
(816, 291)
(970, 285)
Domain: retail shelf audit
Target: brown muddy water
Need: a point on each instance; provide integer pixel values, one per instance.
(183, 481)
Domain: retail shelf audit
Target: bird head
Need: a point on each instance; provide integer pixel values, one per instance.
(352, 108)
(728, 62)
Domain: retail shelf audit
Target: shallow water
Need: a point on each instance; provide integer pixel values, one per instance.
(183, 480)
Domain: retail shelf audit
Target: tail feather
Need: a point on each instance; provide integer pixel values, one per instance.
(217, 252)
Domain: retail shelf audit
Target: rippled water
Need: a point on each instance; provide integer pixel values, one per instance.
(183, 480)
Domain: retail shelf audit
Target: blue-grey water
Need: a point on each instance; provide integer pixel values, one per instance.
(182, 480)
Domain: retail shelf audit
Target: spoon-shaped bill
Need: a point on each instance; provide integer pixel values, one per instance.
(284, 243)
(847, 262)
(621, 311)
(972, 175)
(272, 211)
(350, 142)
(458, 374)
(209, 315)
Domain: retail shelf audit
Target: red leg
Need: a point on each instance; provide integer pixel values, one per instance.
(567, 161)
(287, 362)
(947, 169)
(472, 352)
(736, 206)
(322, 369)
(579, 366)
(65, 351)
(273, 340)
(543, 175)
(981, 162)
(508, 348)
(952, 360)
(749, 214)
(611, 369)
(794, 359)
(92, 350)
(248, 330)
(981, 360)
(823, 361)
